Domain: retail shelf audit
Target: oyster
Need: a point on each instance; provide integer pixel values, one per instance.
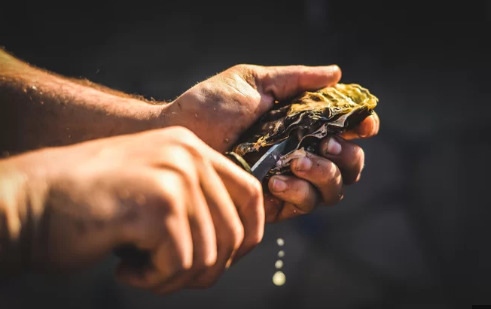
(305, 120)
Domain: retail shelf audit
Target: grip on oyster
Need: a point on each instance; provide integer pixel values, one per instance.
(305, 120)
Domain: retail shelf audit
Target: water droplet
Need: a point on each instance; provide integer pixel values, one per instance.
(278, 264)
(279, 278)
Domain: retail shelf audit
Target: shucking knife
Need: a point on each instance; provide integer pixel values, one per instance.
(262, 166)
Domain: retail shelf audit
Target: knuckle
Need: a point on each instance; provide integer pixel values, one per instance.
(203, 262)
(182, 131)
(167, 197)
(232, 239)
(248, 71)
(253, 238)
(325, 174)
(303, 195)
(179, 176)
(242, 67)
(210, 258)
(181, 260)
(185, 136)
(255, 193)
(255, 233)
(185, 176)
(178, 133)
(331, 170)
(237, 236)
(182, 265)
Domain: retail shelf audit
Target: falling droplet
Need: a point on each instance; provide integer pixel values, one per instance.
(278, 264)
(279, 278)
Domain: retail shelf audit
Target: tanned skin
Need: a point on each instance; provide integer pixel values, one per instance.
(87, 169)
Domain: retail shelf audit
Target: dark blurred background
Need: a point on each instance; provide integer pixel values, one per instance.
(414, 233)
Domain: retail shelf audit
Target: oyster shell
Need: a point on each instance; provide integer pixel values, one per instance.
(305, 120)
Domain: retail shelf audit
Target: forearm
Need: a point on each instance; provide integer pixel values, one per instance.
(39, 109)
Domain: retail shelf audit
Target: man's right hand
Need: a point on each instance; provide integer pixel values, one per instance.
(163, 191)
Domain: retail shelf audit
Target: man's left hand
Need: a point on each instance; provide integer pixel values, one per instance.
(221, 108)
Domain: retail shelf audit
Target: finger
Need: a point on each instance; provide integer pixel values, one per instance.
(367, 128)
(323, 174)
(298, 192)
(283, 82)
(147, 276)
(272, 207)
(288, 211)
(246, 193)
(171, 254)
(204, 241)
(348, 156)
(228, 226)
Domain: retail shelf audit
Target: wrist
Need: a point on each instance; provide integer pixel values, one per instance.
(20, 212)
(12, 218)
(144, 115)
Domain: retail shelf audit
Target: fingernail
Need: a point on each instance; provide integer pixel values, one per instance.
(303, 164)
(333, 146)
(279, 185)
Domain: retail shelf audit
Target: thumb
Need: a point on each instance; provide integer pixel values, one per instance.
(283, 82)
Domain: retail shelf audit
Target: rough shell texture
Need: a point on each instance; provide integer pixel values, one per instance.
(308, 118)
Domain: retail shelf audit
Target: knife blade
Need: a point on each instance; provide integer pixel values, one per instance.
(262, 166)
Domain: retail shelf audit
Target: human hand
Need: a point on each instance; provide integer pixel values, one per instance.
(221, 108)
(163, 191)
